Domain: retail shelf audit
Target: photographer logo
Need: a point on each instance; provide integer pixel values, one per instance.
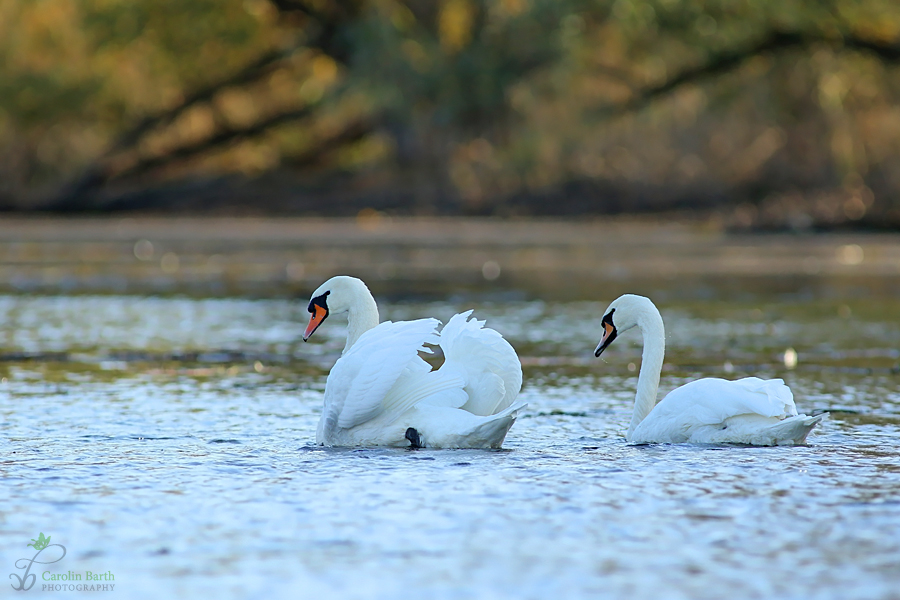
(71, 581)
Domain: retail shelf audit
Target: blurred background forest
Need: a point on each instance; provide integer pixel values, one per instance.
(770, 114)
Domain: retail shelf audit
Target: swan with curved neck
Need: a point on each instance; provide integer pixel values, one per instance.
(343, 294)
(747, 411)
(380, 392)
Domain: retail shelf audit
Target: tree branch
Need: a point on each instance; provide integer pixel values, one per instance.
(98, 173)
(353, 132)
(232, 134)
(886, 52)
(724, 62)
(325, 38)
(716, 65)
(223, 137)
(327, 24)
(257, 69)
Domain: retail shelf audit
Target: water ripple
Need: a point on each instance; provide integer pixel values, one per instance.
(197, 475)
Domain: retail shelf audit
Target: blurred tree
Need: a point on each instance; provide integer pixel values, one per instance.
(784, 111)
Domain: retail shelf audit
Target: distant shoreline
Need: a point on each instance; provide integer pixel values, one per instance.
(541, 257)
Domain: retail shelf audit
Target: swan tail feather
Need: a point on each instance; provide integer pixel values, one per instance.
(794, 430)
(495, 429)
(759, 431)
(443, 427)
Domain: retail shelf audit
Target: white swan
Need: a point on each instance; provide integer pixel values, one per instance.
(713, 411)
(380, 392)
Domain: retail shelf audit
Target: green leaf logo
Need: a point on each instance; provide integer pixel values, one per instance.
(40, 543)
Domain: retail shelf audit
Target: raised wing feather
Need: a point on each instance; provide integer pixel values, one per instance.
(361, 379)
(487, 362)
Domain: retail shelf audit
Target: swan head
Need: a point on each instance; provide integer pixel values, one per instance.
(624, 313)
(334, 296)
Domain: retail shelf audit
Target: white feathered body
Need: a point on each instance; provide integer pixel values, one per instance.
(717, 411)
(381, 387)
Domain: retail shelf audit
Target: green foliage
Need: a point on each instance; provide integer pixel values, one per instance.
(110, 61)
(409, 62)
(503, 95)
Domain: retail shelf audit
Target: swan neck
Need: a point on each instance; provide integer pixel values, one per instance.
(654, 336)
(361, 316)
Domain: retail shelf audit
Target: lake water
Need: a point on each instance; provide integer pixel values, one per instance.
(169, 442)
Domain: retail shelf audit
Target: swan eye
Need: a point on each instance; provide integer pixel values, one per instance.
(319, 301)
(608, 318)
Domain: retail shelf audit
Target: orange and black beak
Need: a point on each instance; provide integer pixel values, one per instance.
(609, 333)
(318, 309)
